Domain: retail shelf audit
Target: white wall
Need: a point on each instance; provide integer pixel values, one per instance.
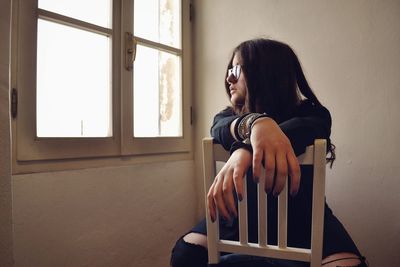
(119, 216)
(350, 53)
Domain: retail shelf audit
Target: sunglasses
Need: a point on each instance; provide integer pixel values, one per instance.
(235, 71)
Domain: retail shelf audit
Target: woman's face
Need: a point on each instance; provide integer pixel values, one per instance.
(237, 82)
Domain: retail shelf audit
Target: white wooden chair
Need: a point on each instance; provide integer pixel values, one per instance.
(315, 155)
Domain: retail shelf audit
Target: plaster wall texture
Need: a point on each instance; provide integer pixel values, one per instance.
(349, 52)
(125, 216)
(6, 238)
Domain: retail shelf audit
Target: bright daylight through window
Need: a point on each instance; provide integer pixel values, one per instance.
(157, 81)
(74, 72)
(74, 89)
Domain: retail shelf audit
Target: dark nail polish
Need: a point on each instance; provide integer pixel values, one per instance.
(240, 197)
(268, 190)
(256, 179)
(275, 194)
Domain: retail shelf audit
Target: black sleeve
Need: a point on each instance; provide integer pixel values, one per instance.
(311, 122)
(314, 122)
(220, 130)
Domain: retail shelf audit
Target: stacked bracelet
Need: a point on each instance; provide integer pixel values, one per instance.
(236, 128)
(244, 125)
(251, 123)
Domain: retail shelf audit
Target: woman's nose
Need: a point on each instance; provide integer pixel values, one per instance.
(231, 78)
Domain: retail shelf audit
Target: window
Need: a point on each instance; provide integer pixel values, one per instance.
(100, 78)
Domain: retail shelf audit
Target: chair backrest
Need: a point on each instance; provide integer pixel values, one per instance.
(315, 155)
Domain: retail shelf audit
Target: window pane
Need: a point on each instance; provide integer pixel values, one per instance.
(73, 82)
(157, 94)
(158, 21)
(92, 11)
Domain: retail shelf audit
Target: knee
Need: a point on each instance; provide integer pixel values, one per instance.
(344, 259)
(186, 254)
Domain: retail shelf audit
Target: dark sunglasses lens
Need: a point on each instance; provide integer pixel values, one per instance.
(235, 71)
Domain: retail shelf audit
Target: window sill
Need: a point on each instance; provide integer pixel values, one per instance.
(24, 167)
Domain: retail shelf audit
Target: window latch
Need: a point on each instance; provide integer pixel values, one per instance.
(14, 103)
(130, 50)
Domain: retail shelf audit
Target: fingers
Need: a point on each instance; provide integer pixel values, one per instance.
(227, 191)
(238, 182)
(294, 172)
(281, 172)
(271, 146)
(219, 198)
(210, 203)
(220, 195)
(257, 160)
(269, 172)
(278, 166)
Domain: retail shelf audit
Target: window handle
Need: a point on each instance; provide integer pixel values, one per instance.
(130, 50)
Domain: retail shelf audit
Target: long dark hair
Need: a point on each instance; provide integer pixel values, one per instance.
(275, 80)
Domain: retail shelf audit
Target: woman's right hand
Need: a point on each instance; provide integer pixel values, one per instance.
(229, 179)
(272, 148)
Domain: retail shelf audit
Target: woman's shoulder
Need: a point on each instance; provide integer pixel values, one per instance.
(307, 108)
(227, 111)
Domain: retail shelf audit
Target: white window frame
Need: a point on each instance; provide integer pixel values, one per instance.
(28, 150)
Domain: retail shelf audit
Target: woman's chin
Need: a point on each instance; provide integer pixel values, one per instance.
(236, 101)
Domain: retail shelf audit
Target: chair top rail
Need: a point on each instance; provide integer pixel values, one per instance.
(220, 154)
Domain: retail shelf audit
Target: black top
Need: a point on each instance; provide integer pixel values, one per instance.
(309, 122)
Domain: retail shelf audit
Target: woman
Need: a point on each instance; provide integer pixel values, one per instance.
(274, 116)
